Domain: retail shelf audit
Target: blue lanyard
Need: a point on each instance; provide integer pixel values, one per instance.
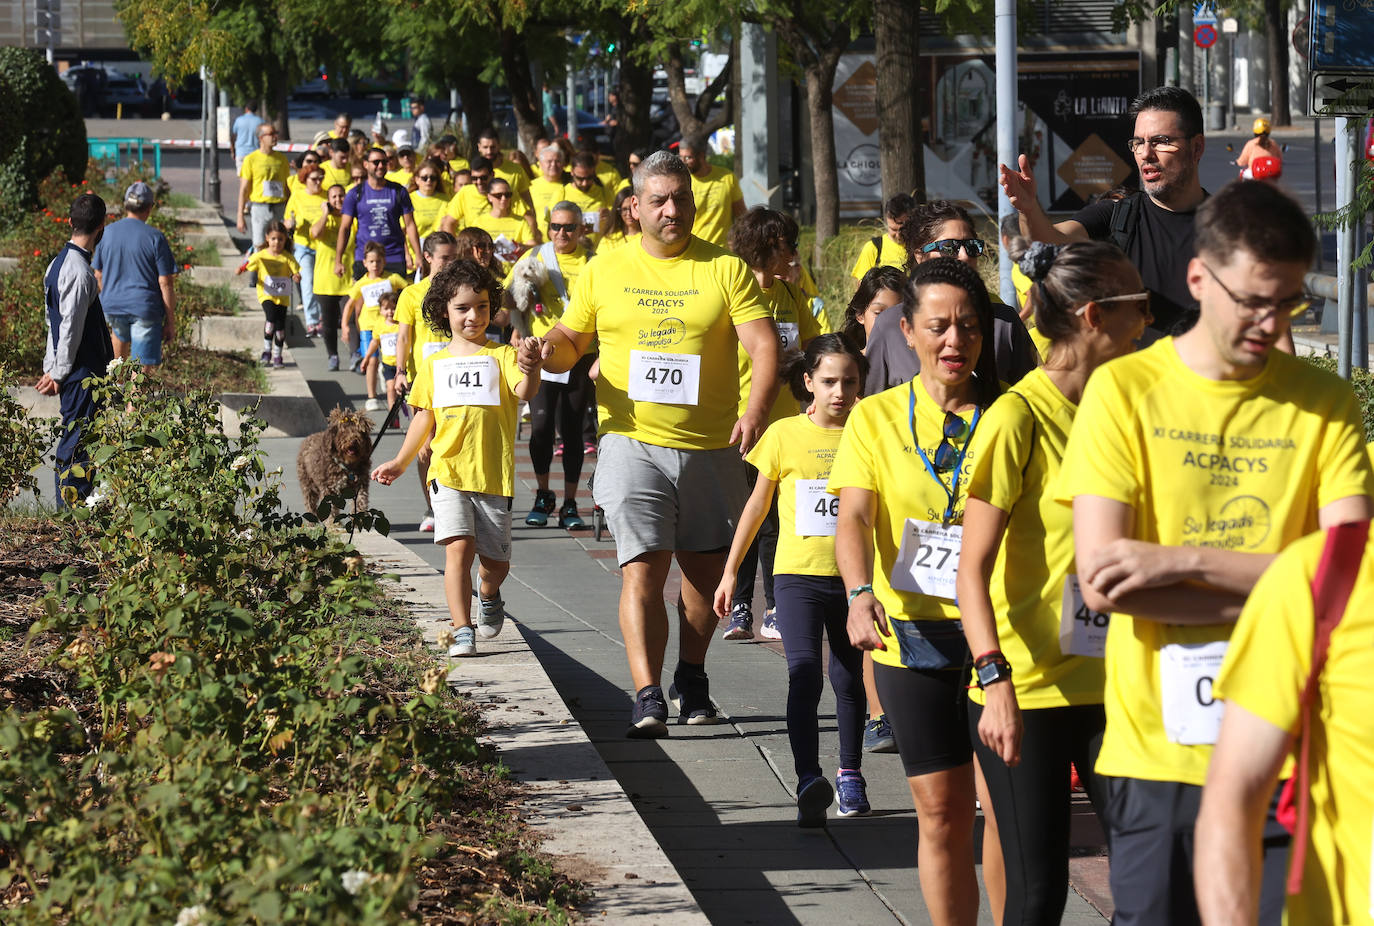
(951, 493)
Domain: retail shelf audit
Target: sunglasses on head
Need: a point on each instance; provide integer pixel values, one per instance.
(950, 247)
(561, 227)
(946, 457)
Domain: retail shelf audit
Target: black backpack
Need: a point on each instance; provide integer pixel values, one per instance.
(1125, 218)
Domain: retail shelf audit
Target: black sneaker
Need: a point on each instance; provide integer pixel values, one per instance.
(569, 519)
(544, 504)
(813, 799)
(691, 695)
(649, 718)
(878, 735)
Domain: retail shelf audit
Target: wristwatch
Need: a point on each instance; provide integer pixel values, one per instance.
(991, 669)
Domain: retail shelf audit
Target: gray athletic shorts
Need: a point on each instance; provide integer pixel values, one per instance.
(472, 514)
(661, 498)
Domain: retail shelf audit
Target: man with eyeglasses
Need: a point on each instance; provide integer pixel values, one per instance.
(547, 188)
(262, 185)
(470, 201)
(1154, 227)
(1190, 465)
(384, 214)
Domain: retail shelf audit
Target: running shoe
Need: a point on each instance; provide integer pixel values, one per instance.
(266, 357)
(649, 717)
(569, 519)
(375, 404)
(741, 626)
(690, 693)
(355, 365)
(769, 629)
(427, 523)
(813, 799)
(558, 451)
(277, 362)
(853, 792)
(589, 449)
(544, 504)
(878, 735)
(464, 643)
(333, 363)
(491, 614)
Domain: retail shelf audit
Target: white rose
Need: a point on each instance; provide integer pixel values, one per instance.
(239, 463)
(354, 881)
(191, 916)
(109, 370)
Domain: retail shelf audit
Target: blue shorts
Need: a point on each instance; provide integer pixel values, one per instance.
(364, 339)
(144, 337)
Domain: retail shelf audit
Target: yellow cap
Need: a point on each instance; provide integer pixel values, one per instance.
(1261, 126)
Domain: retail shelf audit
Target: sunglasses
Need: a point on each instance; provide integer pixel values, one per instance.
(1142, 298)
(499, 195)
(425, 178)
(950, 247)
(316, 177)
(560, 227)
(946, 457)
(374, 162)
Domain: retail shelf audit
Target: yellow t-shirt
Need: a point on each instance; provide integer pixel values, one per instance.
(516, 176)
(893, 255)
(335, 175)
(424, 339)
(625, 184)
(1018, 449)
(304, 209)
(609, 176)
(401, 176)
(473, 445)
(672, 324)
(591, 203)
(274, 275)
(516, 232)
(1265, 671)
(1023, 284)
(817, 304)
(715, 195)
(266, 175)
(545, 194)
(325, 282)
(1238, 465)
(609, 243)
(369, 290)
(795, 449)
(877, 454)
(571, 266)
(791, 312)
(386, 346)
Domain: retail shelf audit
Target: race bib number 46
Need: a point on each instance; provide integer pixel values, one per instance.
(1192, 717)
(928, 559)
(668, 379)
(466, 381)
(1082, 631)
(817, 512)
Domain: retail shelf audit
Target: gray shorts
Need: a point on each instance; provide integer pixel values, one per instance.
(472, 514)
(661, 498)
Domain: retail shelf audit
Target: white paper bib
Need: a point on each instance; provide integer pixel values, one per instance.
(817, 512)
(668, 379)
(928, 559)
(466, 381)
(1192, 717)
(276, 286)
(432, 347)
(373, 292)
(1082, 631)
(388, 344)
(271, 189)
(788, 333)
(548, 377)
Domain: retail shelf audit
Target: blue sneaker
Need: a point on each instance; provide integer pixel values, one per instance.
(691, 694)
(813, 799)
(878, 735)
(853, 792)
(649, 717)
(491, 614)
(741, 626)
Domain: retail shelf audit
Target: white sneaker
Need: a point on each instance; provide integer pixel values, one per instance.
(491, 616)
(427, 524)
(464, 643)
(769, 630)
(375, 405)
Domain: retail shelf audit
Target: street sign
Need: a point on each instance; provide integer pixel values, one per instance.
(1342, 94)
(1205, 36)
(1204, 14)
(1342, 37)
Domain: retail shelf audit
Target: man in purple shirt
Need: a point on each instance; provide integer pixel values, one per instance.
(382, 210)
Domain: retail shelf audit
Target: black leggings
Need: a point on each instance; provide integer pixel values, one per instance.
(331, 311)
(563, 405)
(1031, 802)
(765, 548)
(274, 328)
(809, 606)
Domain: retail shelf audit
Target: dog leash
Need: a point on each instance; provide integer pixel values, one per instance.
(395, 406)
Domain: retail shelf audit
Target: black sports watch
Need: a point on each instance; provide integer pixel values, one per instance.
(993, 670)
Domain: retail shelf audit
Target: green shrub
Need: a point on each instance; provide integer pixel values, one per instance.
(1362, 381)
(41, 130)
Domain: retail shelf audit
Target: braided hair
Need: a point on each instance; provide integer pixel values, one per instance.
(986, 386)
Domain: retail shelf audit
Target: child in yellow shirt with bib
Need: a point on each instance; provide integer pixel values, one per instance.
(363, 299)
(382, 346)
(276, 270)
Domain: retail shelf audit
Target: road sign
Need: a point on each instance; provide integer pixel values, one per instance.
(1342, 37)
(1342, 94)
(1205, 35)
(1204, 14)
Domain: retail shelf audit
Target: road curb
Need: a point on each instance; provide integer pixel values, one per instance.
(574, 802)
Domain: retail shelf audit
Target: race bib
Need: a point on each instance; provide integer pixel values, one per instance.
(668, 379)
(389, 344)
(1192, 717)
(271, 189)
(788, 333)
(432, 347)
(928, 559)
(548, 377)
(817, 512)
(466, 381)
(1082, 631)
(276, 286)
(373, 292)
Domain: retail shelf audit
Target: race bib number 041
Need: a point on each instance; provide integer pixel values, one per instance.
(1082, 631)
(668, 379)
(1192, 717)
(817, 512)
(466, 381)
(928, 559)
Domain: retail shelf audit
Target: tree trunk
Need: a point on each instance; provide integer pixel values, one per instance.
(475, 95)
(636, 90)
(899, 119)
(820, 81)
(687, 122)
(279, 92)
(1276, 25)
(525, 98)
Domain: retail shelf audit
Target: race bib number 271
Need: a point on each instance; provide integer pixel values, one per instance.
(928, 559)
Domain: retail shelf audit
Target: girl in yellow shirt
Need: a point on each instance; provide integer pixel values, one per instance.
(794, 456)
(880, 289)
(306, 204)
(276, 270)
(1017, 589)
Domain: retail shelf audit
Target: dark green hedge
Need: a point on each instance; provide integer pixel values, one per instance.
(41, 130)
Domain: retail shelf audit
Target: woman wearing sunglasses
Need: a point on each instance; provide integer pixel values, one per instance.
(1038, 672)
(624, 226)
(429, 202)
(901, 474)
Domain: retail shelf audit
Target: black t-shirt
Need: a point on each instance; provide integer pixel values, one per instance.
(1160, 246)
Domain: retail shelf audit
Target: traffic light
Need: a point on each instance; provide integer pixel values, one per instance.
(47, 22)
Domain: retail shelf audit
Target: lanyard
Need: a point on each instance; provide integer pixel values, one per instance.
(951, 493)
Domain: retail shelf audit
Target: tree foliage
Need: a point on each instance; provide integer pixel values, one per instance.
(41, 130)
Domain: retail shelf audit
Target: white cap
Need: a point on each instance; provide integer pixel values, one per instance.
(400, 137)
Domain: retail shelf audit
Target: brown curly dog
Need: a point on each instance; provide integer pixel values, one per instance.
(337, 461)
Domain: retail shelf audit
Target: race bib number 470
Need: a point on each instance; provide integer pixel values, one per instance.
(1192, 717)
(928, 559)
(466, 381)
(668, 379)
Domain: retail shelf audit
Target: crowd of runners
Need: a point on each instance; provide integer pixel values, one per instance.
(1059, 542)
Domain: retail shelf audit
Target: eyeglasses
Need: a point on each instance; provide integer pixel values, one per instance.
(1165, 143)
(505, 195)
(373, 162)
(1253, 310)
(308, 161)
(316, 177)
(950, 247)
(1143, 298)
(425, 178)
(560, 227)
(955, 428)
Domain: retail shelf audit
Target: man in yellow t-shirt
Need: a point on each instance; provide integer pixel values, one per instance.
(1261, 683)
(886, 250)
(668, 312)
(589, 195)
(719, 200)
(470, 201)
(262, 189)
(1189, 466)
(547, 188)
(489, 147)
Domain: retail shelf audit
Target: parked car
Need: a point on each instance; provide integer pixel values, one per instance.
(182, 103)
(103, 91)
